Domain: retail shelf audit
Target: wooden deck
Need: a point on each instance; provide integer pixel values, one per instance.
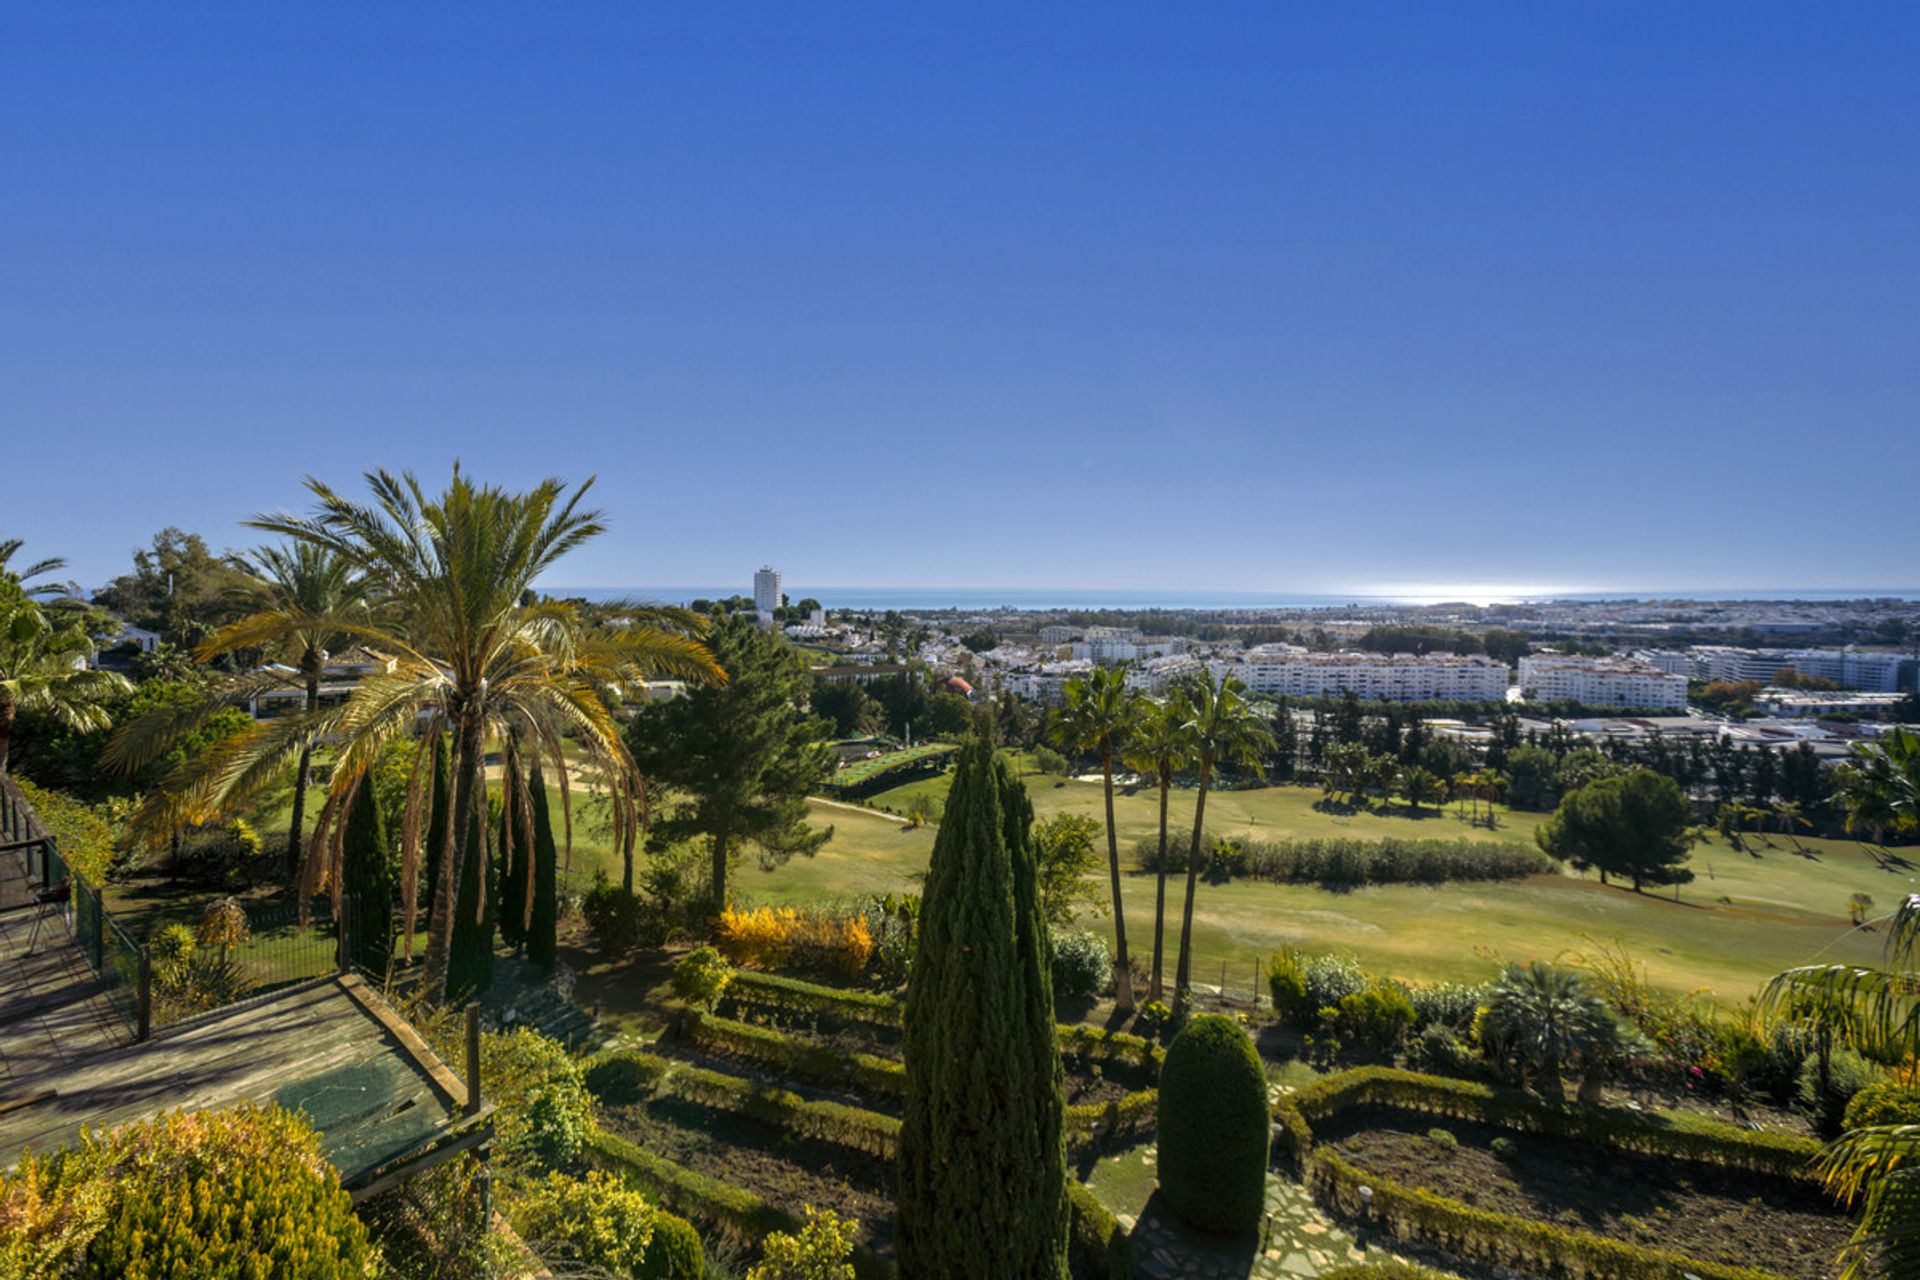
(330, 1048)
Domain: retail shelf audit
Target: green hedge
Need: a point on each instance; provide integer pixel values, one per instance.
(1505, 1240)
(1669, 1136)
(621, 1074)
(1100, 1248)
(791, 995)
(795, 1055)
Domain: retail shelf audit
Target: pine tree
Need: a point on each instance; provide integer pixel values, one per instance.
(470, 960)
(982, 1187)
(367, 876)
(541, 945)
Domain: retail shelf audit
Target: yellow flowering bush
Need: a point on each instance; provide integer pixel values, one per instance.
(779, 937)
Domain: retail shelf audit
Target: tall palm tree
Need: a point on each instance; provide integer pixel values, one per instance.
(1099, 715)
(1225, 730)
(1879, 1011)
(1162, 746)
(45, 651)
(308, 591)
(476, 656)
(1880, 787)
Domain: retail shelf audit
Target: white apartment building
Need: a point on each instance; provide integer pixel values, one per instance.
(1056, 633)
(1046, 684)
(1284, 669)
(1126, 647)
(1851, 668)
(766, 592)
(1156, 674)
(1603, 682)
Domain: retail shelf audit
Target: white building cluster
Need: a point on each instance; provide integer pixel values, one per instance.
(1601, 682)
(1284, 669)
(1874, 672)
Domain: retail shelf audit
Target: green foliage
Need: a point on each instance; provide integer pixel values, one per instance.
(1443, 1140)
(1825, 1095)
(1439, 1049)
(1637, 826)
(701, 977)
(1881, 1104)
(544, 1113)
(1376, 1019)
(819, 1251)
(1212, 1162)
(432, 1226)
(201, 1194)
(595, 1221)
(1101, 1247)
(674, 1252)
(982, 1187)
(1081, 965)
(1287, 987)
(368, 874)
(1153, 1015)
(1048, 761)
(1448, 1004)
(1504, 1149)
(739, 758)
(1548, 1018)
(1331, 978)
(1342, 863)
(1068, 860)
(791, 996)
(615, 916)
(82, 832)
(542, 941)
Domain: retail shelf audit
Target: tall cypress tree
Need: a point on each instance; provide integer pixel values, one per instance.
(439, 813)
(470, 959)
(513, 855)
(982, 1157)
(541, 944)
(367, 876)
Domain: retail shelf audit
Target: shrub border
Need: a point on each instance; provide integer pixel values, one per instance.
(1482, 1235)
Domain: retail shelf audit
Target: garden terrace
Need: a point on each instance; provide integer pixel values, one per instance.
(1561, 1190)
(890, 769)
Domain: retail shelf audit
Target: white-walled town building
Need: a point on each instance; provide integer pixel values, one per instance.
(1600, 682)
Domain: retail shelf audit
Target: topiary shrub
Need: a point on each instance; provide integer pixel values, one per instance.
(1880, 1104)
(1287, 986)
(202, 1194)
(674, 1253)
(1212, 1161)
(1081, 966)
(702, 977)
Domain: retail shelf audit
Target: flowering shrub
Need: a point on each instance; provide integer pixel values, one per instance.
(820, 1251)
(595, 1221)
(815, 942)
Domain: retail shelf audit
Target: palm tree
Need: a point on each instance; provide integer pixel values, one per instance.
(1099, 715)
(45, 650)
(476, 656)
(1422, 784)
(1880, 787)
(1549, 1018)
(1224, 730)
(1791, 816)
(309, 591)
(1162, 746)
(1879, 1011)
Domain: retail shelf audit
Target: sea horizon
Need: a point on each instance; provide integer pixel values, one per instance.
(989, 599)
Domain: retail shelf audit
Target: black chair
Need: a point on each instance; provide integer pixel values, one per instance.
(47, 902)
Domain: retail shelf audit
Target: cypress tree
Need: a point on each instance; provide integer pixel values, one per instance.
(541, 946)
(470, 959)
(982, 1158)
(438, 815)
(367, 876)
(513, 868)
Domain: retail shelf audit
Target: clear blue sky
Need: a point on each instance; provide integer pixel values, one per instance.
(1279, 297)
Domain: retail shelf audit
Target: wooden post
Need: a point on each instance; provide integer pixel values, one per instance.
(473, 1059)
(145, 998)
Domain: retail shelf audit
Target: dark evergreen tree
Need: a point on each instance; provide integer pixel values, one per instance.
(740, 757)
(439, 813)
(367, 876)
(541, 945)
(516, 861)
(982, 1158)
(1637, 826)
(1349, 725)
(470, 961)
(1286, 743)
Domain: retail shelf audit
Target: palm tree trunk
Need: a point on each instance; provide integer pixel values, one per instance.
(1182, 976)
(1160, 887)
(295, 850)
(1122, 972)
(468, 758)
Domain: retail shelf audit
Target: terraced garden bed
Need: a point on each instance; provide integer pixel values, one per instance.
(1735, 1217)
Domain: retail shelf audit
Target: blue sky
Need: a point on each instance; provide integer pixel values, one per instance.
(1275, 297)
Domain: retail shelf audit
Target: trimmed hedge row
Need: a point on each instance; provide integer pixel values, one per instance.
(1506, 1240)
(1503, 1240)
(824, 1064)
(1098, 1245)
(730, 1210)
(794, 996)
(1670, 1137)
(625, 1074)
